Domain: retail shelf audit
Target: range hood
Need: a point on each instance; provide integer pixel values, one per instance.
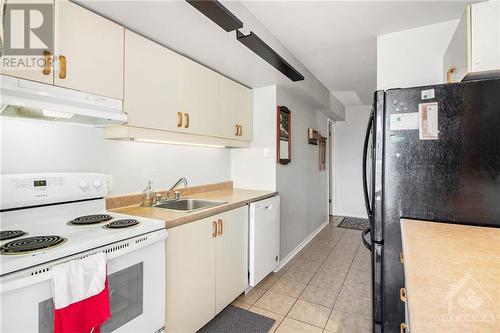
(27, 99)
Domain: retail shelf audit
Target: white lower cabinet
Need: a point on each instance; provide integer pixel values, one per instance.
(231, 269)
(190, 266)
(206, 268)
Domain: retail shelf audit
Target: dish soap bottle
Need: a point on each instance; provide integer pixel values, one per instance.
(148, 196)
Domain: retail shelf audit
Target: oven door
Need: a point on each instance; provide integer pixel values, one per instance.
(137, 294)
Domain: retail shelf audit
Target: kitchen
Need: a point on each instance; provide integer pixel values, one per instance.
(245, 241)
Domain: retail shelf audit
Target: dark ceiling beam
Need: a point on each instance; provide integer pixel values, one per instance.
(219, 14)
(259, 47)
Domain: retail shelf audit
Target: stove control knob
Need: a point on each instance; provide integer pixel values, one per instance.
(84, 184)
(97, 183)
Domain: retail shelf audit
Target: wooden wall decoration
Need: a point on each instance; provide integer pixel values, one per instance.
(322, 153)
(315, 138)
(284, 135)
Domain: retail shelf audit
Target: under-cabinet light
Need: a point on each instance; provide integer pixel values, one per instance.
(57, 114)
(176, 143)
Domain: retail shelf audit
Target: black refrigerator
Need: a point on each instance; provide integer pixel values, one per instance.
(433, 154)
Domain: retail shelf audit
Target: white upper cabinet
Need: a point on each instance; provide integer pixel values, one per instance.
(42, 71)
(235, 110)
(87, 55)
(475, 45)
(228, 108)
(245, 113)
(485, 36)
(161, 90)
(89, 51)
(200, 99)
(153, 77)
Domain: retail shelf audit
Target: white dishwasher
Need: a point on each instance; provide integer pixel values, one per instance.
(264, 238)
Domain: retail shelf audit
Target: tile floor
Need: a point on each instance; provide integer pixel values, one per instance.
(325, 288)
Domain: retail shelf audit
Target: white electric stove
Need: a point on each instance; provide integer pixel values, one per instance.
(50, 218)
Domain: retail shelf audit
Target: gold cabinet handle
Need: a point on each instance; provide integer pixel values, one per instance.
(214, 230)
(221, 227)
(403, 328)
(186, 125)
(241, 130)
(402, 295)
(48, 63)
(237, 130)
(62, 71)
(449, 73)
(401, 258)
(179, 119)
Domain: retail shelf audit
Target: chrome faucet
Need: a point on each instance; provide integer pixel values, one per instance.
(184, 181)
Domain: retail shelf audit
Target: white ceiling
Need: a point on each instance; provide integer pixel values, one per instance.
(336, 40)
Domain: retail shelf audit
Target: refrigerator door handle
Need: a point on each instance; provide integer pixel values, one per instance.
(365, 155)
(366, 237)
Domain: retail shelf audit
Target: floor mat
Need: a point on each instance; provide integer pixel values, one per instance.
(355, 223)
(236, 320)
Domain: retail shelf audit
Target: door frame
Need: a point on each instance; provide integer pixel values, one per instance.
(331, 198)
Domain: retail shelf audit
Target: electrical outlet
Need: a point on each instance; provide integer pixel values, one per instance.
(109, 181)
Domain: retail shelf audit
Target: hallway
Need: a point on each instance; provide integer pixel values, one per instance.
(326, 287)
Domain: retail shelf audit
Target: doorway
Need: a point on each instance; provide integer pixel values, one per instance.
(331, 168)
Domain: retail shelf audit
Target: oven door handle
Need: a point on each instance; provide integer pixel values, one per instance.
(39, 275)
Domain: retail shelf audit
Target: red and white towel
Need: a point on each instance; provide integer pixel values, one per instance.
(81, 295)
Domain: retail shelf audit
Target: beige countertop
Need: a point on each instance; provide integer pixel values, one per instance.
(233, 197)
(452, 276)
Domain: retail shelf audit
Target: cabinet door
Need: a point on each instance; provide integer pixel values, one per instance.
(190, 266)
(231, 257)
(200, 98)
(228, 108)
(245, 112)
(153, 77)
(93, 51)
(485, 30)
(29, 67)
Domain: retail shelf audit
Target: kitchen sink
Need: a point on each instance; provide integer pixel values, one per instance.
(187, 204)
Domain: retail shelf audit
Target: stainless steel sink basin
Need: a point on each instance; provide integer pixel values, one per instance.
(187, 204)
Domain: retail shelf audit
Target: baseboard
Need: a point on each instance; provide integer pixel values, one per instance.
(306, 241)
(351, 215)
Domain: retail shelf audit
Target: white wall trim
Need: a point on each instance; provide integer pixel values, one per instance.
(351, 215)
(331, 171)
(306, 241)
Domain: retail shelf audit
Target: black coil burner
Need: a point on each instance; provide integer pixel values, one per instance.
(119, 224)
(90, 219)
(10, 234)
(31, 244)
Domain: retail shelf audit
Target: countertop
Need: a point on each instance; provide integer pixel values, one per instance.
(233, 197)
(452, 276)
